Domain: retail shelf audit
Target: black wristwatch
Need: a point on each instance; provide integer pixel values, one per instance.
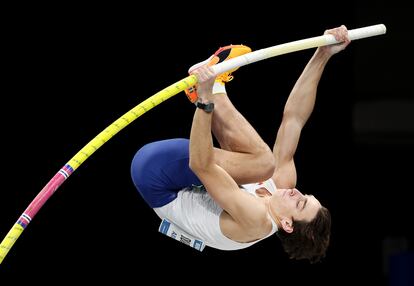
(207, 107)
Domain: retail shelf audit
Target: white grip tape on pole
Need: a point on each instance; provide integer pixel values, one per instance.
(294, 46)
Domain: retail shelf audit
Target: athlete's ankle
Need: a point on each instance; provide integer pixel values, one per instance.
(219, 88)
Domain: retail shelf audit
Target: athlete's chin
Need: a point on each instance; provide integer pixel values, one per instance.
(281, 192)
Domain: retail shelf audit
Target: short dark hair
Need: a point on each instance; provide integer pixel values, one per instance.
(309, 240)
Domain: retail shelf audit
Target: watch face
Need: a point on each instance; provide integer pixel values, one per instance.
(209, 107)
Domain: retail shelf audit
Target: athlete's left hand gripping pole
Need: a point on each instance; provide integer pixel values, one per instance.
(153, 101)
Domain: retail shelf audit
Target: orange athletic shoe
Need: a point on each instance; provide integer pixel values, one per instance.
(221, 55)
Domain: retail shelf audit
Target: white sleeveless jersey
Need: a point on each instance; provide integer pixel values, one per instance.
(198, 214)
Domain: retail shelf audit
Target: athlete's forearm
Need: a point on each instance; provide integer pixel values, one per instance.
(201, 141)
(302, 98)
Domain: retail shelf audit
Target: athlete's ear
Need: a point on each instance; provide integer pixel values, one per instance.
(287, 224)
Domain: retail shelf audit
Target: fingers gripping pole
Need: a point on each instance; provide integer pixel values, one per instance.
(295, 46)
(150, 103)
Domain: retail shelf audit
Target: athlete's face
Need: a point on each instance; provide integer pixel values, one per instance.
(291, 205)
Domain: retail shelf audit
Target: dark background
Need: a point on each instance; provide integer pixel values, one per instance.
(72, 71)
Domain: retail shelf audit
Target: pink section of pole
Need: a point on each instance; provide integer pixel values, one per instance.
(45, 194)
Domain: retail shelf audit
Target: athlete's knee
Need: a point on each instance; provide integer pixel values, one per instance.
(267, 162)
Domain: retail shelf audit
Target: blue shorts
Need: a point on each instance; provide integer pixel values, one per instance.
(160, 169)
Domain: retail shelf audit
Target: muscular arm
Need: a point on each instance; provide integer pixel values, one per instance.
(298, 109)
(220, 185)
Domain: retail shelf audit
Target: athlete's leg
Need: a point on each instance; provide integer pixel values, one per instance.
(244, 154)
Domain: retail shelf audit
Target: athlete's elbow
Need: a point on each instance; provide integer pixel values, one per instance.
(268, 164)
(198, 165)
(193, 164)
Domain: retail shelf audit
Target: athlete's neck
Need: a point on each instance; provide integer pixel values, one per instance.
(270, 211)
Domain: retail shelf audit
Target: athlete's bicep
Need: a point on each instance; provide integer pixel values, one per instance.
(284, 150)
